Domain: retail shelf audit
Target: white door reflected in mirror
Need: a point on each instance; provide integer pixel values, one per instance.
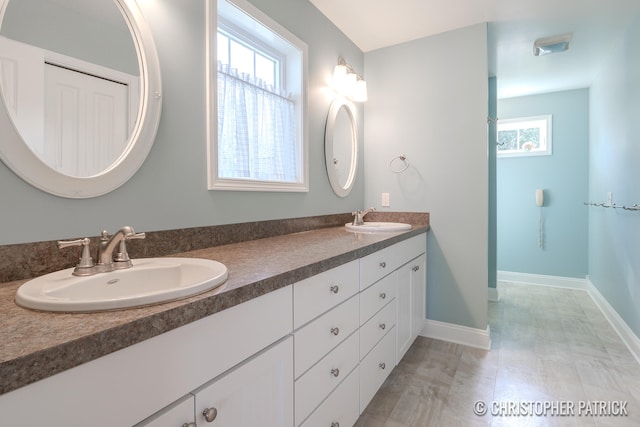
(81, 119)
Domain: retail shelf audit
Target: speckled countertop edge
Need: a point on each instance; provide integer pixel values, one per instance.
(36, 345)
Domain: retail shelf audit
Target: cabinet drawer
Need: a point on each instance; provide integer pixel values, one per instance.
(258, 392)
(413, 247)
(375, 266)
(376, 297)
(378, 264)
(375, 368)
(317, 338)
(376, 328)
(319, 381)
(317, 294)
(340, 408)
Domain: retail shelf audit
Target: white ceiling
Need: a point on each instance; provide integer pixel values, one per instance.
(597, 26)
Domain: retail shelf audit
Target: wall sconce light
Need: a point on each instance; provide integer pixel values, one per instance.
(555, 44)
(348, 83)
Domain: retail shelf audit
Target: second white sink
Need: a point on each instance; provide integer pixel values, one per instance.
(376, 227)
(149, 281)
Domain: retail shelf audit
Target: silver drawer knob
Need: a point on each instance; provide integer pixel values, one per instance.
(189, 425)
(383, 326)
(383, 264)
(335, 424)
(416, 268)
(334, 289)
(382, 365)
(210, 414)
(335, 331)
(335, 372)
(383, 295)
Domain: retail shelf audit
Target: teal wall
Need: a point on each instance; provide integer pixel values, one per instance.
(614, 252)
(428, 100)
(170, 189)
(564, 178)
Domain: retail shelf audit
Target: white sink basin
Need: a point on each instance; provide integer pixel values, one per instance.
(376, 227)
(149, 281)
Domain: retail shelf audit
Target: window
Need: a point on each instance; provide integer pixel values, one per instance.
(257, 77)
(525, 136)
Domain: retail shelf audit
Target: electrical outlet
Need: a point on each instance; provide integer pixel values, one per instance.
(384, 200)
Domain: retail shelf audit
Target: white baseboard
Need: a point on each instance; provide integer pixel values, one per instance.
(451, 332)
(619, 325)
(543, 280)
(493, 295)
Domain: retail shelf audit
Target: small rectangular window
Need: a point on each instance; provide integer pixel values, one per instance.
(257, 79)
(524, 136)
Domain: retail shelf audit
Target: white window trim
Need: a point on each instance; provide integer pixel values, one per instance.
(214, 182)
(548, 136)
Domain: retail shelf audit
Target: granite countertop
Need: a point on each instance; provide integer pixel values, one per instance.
(36, 345)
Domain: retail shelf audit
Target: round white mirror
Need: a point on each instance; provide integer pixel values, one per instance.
(341, 146)
(80, 93)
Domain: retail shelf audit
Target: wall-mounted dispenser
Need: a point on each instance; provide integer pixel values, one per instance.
(540, 197)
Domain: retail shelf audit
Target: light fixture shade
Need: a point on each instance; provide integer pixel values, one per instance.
(342, 80)
(360, 91)
(347, 83)
(339, 73)
(548, 45)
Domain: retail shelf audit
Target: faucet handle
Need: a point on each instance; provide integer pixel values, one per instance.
(85, 264)
(121, 258)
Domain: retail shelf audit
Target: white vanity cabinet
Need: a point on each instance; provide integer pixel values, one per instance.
(310, 354)
(346, 321)
(392, 309)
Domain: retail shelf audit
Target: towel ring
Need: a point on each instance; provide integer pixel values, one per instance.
(403, 168)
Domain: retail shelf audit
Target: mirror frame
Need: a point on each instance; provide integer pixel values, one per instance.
(17, 155)
(329, 135)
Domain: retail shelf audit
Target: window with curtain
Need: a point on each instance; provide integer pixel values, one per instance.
(260, 135)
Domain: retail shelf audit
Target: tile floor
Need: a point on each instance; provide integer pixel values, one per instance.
(549, 346)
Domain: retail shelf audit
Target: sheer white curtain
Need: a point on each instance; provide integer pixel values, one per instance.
(256, 130)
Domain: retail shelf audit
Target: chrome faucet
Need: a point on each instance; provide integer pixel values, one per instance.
(358, 216)
(108, 245)
(105, 259)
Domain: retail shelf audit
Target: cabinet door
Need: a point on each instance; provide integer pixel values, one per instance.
(404, 328)
(411, 303)
(257, 393)
(418, 294)
(179, 414)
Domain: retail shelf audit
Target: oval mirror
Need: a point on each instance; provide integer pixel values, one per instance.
(341, 146)
(80, 93)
